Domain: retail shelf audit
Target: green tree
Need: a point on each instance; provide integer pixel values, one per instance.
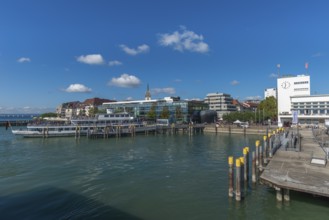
(268, 108)
(151, 115)
(241, 116)
(178, 113)
(93, 111)
(165, 112)
(48, 115)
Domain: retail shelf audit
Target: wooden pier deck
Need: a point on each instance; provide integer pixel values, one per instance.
(300, 171)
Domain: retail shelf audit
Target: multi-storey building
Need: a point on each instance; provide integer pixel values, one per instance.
(222, 103)
(270, 92)
(296, 104)
(177, 110)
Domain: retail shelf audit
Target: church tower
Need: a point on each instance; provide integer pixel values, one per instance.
(148, 94)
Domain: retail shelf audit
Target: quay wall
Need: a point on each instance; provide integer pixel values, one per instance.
(253, 130)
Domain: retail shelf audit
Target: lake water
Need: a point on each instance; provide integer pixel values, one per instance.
(145, 177)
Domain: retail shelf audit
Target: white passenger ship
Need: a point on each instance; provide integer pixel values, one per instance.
(109, 124)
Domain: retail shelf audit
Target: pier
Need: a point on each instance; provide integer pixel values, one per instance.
(299, 164)
(14, 123)
(119, 131)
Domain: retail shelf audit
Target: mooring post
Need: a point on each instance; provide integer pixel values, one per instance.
(261, 158)
(253, 169)
(237, 180)
(242, 183)
(246, 164)
(272, 140)
(265, 149)
(278, 194)
(257, 152)
(47, 131)
(230, 177)
(268, 145)
(286, 195)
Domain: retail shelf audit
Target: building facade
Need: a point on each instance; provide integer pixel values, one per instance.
(296, 104)
(270, 92)
(312, 109)
(222, 103)
(171, 108)
(289, 86)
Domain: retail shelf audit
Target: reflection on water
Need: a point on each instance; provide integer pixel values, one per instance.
(145, 177)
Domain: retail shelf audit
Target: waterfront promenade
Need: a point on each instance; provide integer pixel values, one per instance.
(305, 171)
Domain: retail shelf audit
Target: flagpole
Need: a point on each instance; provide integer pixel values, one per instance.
(278, 66)
(306, 67)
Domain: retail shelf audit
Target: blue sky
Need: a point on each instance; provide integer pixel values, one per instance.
(68, 50)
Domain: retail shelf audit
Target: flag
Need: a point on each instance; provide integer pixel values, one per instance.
(278, 65)
(306, 65)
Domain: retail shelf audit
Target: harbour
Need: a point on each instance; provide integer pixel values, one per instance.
(142, 177)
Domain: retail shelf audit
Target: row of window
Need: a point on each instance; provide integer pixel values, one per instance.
(309, 106)
(313, 112)
(301, 89)
(301, 82)
(311, 103)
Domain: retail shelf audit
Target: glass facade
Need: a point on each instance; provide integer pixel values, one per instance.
(150, 110)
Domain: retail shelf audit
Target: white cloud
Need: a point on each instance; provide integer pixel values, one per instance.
(319, 54)
(126, 81)
(167, 90)
(24, 60)
(177, 80)
(131, 51)
(91, 59)
(184, 40)
(235, 82)
(77, 88)
(257, 97)
(115, 63)
(274, 75)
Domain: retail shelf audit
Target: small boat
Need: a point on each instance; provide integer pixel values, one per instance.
(109, 124)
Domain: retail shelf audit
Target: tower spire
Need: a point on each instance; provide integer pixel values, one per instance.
(148, 94)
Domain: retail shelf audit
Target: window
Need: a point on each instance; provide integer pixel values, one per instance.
(301, 82)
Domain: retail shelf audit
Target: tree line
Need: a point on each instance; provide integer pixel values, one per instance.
(267, 109)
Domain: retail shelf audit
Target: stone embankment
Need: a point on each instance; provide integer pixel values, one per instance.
(233, 129)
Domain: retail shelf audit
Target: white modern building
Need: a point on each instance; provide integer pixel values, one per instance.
(222, 103)
(295, 101)
(270, 92)
(289, 86)
(311, 109)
